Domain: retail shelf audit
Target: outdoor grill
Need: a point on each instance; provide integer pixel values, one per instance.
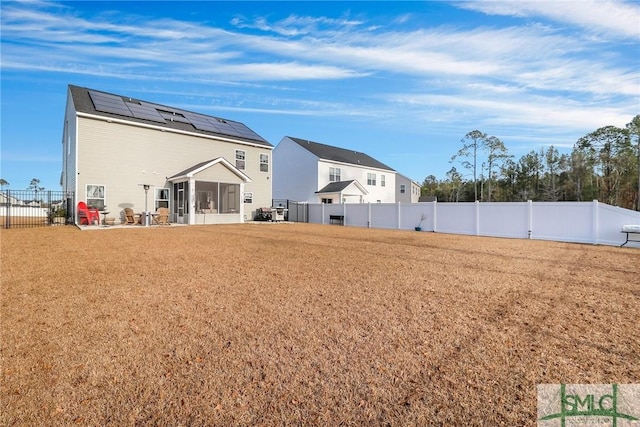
(278, 213)
(271, 214)
(263, 214)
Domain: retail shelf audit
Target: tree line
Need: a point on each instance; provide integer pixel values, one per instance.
(603, 165)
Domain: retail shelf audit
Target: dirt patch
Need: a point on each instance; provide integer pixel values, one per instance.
(305, 325)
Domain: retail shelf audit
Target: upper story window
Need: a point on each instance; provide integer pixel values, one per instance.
(334, 174)
(403, 188)
(382, 180)
(264, 163)
(240, 159)
(371, 179)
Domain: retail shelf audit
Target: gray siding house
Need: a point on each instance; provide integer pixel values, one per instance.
(120, 152)
(407, 190)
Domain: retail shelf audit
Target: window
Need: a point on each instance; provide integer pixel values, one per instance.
(248, 197)
(328, 201)
(217, 197)
(402, 188)
(371, 179)
(96, 196)
(334, 174)
(240, 158)
(264, 163)
(382, 181)
(162, 198)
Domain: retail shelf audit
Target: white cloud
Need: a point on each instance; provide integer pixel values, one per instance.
(606, 18)
(535, 111)
(295, 25)
(504, 75)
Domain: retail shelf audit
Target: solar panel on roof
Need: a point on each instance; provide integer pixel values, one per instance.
(171, 117)
(109, 103)
(115, 104)
(203, 125)
(222, 127)
(246, 132)
(145, 112)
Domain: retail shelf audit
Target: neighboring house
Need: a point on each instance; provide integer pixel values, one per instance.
(407, 191)
(311, 172)
(120, 152)
(4, 200)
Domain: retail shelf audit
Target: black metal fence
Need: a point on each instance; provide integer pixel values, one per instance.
(30, 208)
(296, 211)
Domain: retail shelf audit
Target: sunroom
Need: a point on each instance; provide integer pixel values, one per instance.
(210, 192)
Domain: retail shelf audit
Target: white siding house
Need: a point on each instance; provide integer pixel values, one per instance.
(307, 171)
(120, 152)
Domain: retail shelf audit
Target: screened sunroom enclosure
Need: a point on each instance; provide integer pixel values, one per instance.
(217, 197)
(209, 193)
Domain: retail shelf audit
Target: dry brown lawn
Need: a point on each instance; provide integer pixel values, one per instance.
(299, 324)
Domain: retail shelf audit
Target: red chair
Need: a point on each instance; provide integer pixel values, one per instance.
(87, 215)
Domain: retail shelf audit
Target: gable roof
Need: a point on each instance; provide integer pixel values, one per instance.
(328, 152)
(189, 172)
(338, 186)
(109, 105)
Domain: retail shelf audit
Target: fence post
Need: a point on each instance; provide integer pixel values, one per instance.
(477, 218)
(369, 217)
(344, 213)
(530, 217)
(435, 213)
(595, 215)
(8, 217)
(49, 212)
(322, 213)
(399, 219)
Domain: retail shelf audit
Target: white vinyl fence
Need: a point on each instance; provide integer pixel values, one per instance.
(24, 211)
(582, 222)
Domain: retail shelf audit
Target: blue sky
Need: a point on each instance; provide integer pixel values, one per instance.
(400, 81)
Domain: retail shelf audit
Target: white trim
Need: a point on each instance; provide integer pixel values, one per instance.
(164, 129)
(360, 187)
(222, 160)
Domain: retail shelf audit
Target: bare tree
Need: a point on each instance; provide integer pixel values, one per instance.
(472, 143)
(34, 185)
(496, 154)
(455, 179)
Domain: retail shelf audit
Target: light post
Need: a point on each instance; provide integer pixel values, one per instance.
(146, 195)
(144, 219)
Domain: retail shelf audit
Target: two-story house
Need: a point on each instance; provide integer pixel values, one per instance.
(407, 190)
(307, 171)
(120, 152)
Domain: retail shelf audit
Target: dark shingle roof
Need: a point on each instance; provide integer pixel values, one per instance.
(328, 152)
(161, 115)
(335, 187)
